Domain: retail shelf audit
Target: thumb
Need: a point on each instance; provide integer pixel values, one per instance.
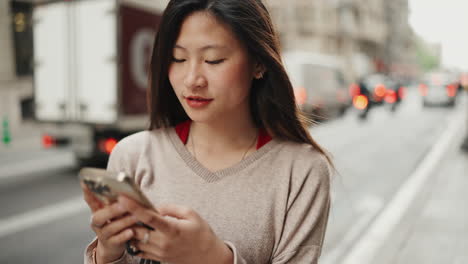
(93, 203)
(177, 211)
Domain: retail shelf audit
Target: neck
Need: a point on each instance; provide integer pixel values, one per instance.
(226, 134)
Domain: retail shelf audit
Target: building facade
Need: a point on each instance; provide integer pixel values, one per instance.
(369, 34)
(15, 87)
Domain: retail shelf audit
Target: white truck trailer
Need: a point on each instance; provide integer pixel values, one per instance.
(91, 61)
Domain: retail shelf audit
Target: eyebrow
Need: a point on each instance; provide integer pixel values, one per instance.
(203, 48)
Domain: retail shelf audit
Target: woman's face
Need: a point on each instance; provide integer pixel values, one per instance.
(211, 72)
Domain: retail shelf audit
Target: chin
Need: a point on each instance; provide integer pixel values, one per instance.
(201, 117)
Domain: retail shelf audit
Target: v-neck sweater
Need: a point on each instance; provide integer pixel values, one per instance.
(271, 207)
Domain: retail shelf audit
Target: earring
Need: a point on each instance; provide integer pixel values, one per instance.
(259, 75)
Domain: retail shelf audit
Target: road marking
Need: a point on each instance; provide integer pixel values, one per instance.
(369, 206)
(40, 216)
(366, 248)
(25, 168)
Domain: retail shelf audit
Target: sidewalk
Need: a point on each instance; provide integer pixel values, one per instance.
(436, 228)
(25, 136)
(24, 157)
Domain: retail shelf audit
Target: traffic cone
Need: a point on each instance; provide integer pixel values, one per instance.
(6, 132)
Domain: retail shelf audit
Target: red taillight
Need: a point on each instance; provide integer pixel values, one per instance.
(451, 90)
(107, 145)
(391, 97)
(354, 90)
(380, 90)
(402, 92)
(360, 102)
(48, 141)
(423, 89)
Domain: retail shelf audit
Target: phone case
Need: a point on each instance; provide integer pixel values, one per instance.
(107, 186)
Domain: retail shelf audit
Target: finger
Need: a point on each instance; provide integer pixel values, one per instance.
(149, 247)
(121, 237)
(155, 246)
(106, 214)
(155, 237)
(93, 202)
(152, 256)
(147, 216)
(118, 226)
(177, 211)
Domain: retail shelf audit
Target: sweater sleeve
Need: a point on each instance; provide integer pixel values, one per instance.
(306, 217)
(117, 162)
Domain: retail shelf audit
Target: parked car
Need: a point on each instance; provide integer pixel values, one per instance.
(438, 88)
(320, 83)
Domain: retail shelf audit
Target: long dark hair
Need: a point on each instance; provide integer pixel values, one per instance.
(272, 102)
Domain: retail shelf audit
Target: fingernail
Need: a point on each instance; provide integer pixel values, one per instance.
(120, 207)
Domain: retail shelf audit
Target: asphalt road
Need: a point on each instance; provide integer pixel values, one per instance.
(44, 220)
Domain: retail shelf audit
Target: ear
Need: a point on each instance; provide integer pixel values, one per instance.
(259, 70)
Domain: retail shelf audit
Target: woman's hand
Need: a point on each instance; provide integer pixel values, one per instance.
(180, 235)
(112, 225)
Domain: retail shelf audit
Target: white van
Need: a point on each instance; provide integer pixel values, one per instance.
(320, 83)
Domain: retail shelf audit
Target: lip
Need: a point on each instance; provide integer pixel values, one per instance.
(197, 101)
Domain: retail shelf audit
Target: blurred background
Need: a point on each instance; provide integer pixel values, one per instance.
(385, 81)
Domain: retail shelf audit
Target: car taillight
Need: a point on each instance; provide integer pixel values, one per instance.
(423, 89)
(360, 102)
(48, 141)
(380, 90)
(354, 90)
(107, 145)
(391, 97)
(402, 92)
(451, 90)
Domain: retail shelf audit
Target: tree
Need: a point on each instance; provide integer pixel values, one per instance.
(427, 55)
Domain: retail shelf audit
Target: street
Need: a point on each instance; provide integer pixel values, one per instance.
(44, 220)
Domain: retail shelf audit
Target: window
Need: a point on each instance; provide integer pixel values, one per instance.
(22, 37)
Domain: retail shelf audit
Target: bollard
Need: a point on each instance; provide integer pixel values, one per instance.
(6, 131)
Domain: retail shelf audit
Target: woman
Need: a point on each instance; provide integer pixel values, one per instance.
(227, 160)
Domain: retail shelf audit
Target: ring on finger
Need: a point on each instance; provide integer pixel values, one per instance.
(146, 237)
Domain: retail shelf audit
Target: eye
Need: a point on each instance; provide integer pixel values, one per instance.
(215, 61)
(177, 60)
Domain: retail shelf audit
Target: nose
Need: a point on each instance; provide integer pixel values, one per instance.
(194, 78)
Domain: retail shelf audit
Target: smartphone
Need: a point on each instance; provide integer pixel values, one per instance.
(107, 186)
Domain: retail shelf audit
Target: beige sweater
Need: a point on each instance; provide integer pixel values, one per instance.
(271, 207)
